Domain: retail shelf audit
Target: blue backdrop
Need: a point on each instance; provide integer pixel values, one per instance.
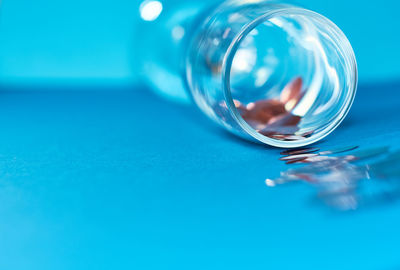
(88, 41)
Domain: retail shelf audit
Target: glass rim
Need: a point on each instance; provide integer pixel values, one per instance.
(340, 40)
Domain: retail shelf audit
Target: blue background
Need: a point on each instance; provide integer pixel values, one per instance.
(93, 176)
(87, 41)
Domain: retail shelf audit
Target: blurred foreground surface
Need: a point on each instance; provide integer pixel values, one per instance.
(123, 179)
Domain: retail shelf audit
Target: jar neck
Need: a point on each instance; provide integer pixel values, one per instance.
(215, 54)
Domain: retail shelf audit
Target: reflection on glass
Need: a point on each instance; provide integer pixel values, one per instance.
(150, 10)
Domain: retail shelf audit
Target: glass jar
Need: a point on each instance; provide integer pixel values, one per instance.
(266, 71)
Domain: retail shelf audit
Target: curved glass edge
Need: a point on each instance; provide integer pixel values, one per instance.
(349, 99)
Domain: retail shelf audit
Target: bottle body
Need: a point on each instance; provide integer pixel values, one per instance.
(269, 72)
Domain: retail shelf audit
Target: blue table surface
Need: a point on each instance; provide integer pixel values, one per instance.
(126, 180)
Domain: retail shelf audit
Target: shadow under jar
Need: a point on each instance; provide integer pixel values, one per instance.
(273, 73)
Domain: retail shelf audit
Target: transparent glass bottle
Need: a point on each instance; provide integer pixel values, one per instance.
(266, 71)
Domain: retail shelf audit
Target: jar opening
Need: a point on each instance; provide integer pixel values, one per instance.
(290, 77)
